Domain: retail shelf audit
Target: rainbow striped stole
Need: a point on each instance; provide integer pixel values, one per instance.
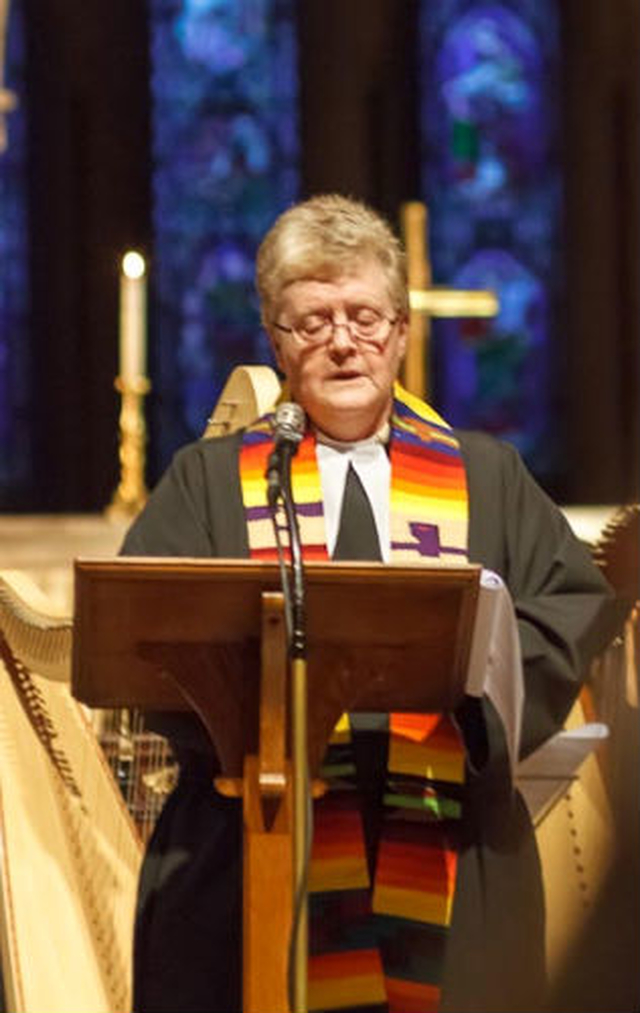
(381, 944)
(428, 499)
(429, 502)
(307, 493)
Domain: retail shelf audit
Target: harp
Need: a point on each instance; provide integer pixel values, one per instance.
(70, 850)
(79, 795)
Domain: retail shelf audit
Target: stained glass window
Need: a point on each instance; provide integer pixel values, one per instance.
(224, 89)
(15, 445)
(491, 177)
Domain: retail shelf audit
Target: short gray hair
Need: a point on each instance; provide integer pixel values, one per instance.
(323, 238)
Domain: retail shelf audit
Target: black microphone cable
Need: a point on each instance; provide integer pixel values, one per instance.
(289, 426)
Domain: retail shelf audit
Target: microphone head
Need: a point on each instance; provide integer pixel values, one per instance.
(289, 422)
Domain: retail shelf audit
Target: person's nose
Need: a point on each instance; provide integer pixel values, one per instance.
(342, 341)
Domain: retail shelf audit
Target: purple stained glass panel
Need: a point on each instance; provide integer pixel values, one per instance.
(15, 440)
(491, 177)
(224, 91)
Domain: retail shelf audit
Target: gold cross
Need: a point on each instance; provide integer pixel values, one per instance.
(428, 301)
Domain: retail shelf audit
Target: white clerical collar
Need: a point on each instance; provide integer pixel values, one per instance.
(381, 437)
(371, 462)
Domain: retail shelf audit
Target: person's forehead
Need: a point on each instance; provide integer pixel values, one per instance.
(366, 279)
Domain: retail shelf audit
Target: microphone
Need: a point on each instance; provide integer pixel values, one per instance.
(288, 430)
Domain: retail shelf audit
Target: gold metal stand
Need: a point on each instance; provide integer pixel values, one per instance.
(131, 494)
(301, 803)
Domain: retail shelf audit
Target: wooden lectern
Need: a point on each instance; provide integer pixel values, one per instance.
(209, 635)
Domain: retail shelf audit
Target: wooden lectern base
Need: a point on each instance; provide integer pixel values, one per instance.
(268, 848)
(267, 893)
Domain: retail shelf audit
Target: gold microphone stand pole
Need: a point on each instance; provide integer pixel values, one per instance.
(299, 754)
(299, 745)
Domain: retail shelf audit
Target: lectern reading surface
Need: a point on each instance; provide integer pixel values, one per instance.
(379, 637)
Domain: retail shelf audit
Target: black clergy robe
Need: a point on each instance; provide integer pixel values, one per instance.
(187, 949)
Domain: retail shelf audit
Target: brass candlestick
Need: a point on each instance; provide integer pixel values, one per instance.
(131, 494)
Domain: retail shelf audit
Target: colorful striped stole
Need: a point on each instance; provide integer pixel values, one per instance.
(429, 511)
(381, 944)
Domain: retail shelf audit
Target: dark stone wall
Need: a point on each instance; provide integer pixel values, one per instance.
(87, 72)
(602, 188)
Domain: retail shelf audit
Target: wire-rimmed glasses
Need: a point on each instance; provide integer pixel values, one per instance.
(365, 324)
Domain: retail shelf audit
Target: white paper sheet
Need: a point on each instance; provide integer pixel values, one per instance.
(547, 774)
(495, 663)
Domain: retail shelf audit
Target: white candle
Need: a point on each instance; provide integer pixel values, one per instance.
(133, 317)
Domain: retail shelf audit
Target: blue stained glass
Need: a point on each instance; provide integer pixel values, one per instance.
(15, 442)
(494, 377)
(492, 181)
(224, 88)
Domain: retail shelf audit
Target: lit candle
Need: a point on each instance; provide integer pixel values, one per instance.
(133, 317)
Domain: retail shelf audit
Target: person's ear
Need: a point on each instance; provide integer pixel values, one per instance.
(403, 336)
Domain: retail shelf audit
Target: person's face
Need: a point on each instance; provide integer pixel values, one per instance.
(344, 383)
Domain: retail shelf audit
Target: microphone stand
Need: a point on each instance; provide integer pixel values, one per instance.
(295, 596)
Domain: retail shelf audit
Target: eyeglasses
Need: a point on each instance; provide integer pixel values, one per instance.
(364, 324)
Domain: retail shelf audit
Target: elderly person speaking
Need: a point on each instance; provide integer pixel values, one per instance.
(441, 905)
